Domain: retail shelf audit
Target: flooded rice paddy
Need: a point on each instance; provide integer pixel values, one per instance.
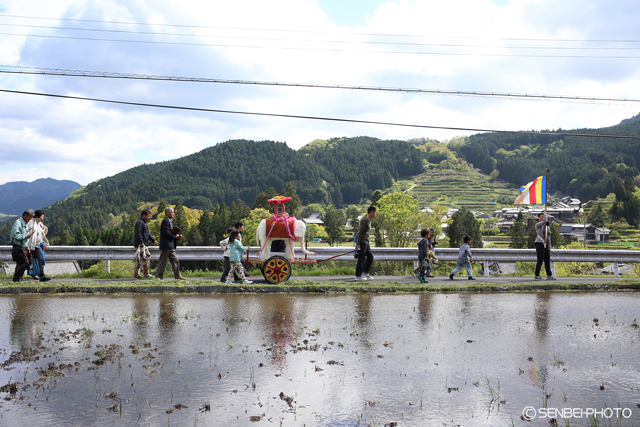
(469, 359)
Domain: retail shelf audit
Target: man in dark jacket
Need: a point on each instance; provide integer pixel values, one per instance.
(365, 257)
(168, 246)
(141, 239)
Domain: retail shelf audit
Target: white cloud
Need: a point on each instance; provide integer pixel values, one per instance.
(85, 141)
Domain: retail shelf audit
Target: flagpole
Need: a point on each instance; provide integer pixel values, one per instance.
(546, 197)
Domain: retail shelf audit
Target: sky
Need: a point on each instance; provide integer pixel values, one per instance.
(573, 48)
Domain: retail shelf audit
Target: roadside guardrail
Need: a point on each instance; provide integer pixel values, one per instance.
(214, 253)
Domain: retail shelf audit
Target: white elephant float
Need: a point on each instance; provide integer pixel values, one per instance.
(268, 231)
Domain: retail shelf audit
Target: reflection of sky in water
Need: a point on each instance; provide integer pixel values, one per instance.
(416, 359)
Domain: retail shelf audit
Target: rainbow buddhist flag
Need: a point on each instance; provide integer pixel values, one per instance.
(534, 193)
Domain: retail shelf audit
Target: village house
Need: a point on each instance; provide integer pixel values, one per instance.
(568, 210)
(588, 231)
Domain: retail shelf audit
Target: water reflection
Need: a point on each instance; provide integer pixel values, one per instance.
(24, 331)
(141, 312)
(167, 319)
(362, 310)
(277, 322)
(415, 359)
(425, 303)
(537, 371)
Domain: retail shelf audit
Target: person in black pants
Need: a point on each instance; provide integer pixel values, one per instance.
(543, 249)
(142, 239)
(168, 246)
(20, 235)
(365, 257)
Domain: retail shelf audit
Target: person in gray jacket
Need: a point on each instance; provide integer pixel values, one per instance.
(543, 251)
(464, 259)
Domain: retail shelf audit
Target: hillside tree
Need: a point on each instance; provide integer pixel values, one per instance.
(353, 213)
(464, 222)
(239, 211)
(160, 210)
(398, 216)
(193, 237)
(220, 221)
(597, 216)
(334, 222)
(251, 223)
(294, 205)
(205, 227)
(262, 199)
(518, 236)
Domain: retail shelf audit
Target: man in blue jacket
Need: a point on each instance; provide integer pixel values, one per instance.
(168, 246)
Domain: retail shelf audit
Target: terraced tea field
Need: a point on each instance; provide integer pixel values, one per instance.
(470, 190)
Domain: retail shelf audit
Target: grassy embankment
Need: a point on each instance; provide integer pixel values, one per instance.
(299, 286)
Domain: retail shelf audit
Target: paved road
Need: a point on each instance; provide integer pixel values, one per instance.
(440, 280)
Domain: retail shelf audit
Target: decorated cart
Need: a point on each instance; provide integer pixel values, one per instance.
(276, 237)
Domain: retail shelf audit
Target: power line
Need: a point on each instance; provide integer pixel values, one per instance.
(368, 42)
(292, 116)
(504, 55)
(102, 74)
(324, 32)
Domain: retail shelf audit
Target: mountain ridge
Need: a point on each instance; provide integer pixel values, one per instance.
(16, 196)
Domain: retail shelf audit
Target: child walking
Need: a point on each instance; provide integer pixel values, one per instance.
(464, 259)
(224, 244)
(235, 255)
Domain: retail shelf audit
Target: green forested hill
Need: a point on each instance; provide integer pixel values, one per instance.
(583, 167)
(339, 172)
(343, 171)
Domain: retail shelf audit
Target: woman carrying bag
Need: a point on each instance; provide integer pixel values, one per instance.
(37, 250)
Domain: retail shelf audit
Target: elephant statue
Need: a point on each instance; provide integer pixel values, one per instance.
(278, 231)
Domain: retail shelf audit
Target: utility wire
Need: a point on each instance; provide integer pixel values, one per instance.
(102, 74)
(297, 40)
(323, 49)
(292, 116)
(324, 32)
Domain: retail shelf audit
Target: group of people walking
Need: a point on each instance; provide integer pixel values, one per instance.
(426, 259)
(169, 235)
(29, 242)
(234, 269)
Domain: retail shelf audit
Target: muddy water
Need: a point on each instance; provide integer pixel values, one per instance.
(327, 360)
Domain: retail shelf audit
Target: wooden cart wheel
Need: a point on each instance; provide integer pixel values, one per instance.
(276, 269)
